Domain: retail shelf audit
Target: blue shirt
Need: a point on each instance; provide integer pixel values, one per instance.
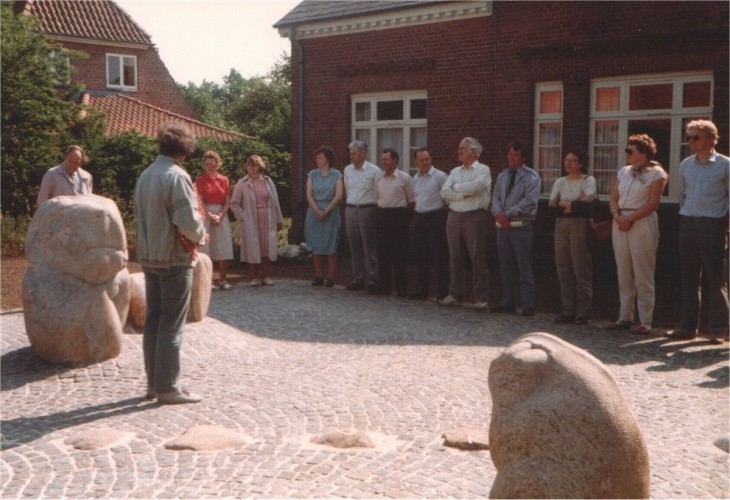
(521, 202)
(703, 187)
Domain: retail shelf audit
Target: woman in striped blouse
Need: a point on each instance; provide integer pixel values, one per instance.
(635, 196)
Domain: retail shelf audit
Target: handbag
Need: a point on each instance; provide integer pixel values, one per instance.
(601, 230)
(597, 233)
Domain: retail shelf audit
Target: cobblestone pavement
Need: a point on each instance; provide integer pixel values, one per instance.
(280, 364)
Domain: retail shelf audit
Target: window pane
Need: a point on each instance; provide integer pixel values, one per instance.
(362, 134)
(390, 138)
(696, 94)
(418, 108)
(112, 64)
(608, 99)
(390, 110)
(130, 73)
(418, 138)
(551, 101)
(549, 134)
(605, 154)
(362, 112)
(650, 97)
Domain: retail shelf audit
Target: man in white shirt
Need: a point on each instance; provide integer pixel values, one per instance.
(394, 194)
(361, 218)
(428, 229)
(468, 193)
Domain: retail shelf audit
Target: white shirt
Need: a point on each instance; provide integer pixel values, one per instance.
(468, 188)
(427, 190)
(394, 191)
(360, 183)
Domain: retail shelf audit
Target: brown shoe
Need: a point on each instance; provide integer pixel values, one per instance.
(178, 397)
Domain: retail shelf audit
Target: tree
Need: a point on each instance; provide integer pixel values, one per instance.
(34, 120)
(259, 106)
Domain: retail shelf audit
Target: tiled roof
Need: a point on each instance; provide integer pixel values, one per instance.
(125, 113)
(85, 19)
(317, 10)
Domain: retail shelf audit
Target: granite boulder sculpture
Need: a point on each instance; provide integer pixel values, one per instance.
(560, 427)
(199, 296)
(76, 289)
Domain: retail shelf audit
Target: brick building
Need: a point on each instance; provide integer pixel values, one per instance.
(406, 74)
(119, 68)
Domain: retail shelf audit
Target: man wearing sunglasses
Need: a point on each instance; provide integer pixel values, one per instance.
(703, 228)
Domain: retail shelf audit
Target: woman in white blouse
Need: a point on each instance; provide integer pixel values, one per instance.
(635, 196)
(573, 197)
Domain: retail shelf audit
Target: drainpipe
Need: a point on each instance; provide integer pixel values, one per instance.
(300, 129)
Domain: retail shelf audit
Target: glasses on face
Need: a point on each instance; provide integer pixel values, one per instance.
(461, 150)
(690, 138)
(629, 151)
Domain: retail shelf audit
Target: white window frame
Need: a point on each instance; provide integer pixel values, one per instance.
(547, 119)
(677, 115)
(406, 124)
(123, 85)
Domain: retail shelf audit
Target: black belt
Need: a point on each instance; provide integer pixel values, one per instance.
(364, 205)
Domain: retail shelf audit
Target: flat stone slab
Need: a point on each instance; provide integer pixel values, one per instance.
(467, 438)
(207, 438)
(344, 439)
(94, 439)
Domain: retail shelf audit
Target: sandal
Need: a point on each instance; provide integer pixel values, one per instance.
(619, 325)
(642, 329)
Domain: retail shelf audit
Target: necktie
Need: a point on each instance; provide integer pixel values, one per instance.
(511, 180)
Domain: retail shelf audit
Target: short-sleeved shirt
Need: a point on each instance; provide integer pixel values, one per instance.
(213, 191)
(394, 191)
(633, 188)
(360, 183)
(427, 190)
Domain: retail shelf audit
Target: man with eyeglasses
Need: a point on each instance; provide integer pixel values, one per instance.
(703, 228)
(467, 190)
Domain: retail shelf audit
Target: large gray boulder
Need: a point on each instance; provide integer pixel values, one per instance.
(76, 289)
(560, 426)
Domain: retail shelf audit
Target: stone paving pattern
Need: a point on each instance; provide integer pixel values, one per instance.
(281, 364)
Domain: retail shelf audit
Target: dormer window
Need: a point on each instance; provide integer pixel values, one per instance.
(121, 72)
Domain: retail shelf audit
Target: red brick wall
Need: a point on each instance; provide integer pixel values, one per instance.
(155, 85)
(480, 73)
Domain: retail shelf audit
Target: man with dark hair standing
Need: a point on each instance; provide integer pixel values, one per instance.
(428, 229)
(514, 205)
(394, 195)
(169, 226)
(703, 228)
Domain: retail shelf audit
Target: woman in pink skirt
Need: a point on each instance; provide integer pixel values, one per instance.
(256, 205)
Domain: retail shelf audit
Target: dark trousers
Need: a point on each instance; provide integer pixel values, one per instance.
(392, 245)
(702, 255)
(428, 244)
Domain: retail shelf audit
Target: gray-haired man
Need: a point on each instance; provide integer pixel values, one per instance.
(361, 218)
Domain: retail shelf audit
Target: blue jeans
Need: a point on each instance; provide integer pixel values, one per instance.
(514, 247)
(168, 300)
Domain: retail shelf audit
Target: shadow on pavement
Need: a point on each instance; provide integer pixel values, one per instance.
(23, 366)
(22, 430)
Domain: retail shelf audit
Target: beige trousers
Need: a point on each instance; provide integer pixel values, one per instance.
(635, 252)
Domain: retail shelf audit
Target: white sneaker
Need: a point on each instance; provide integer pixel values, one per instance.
(268, 281)
(225, 285)
(255, 282)
(480, 305)
(449, 301)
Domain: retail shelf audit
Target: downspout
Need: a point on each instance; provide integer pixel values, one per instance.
(300, 130)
